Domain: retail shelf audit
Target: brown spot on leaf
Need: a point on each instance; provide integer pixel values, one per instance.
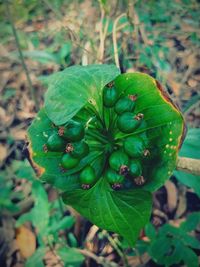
(167, 98)
(45, 149)
(28, 152)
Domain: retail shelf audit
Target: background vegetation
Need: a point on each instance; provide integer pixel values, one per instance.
(40, 37)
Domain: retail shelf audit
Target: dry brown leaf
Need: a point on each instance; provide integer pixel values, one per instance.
(3, 152)
(52, 259)
(182, 202)
(192, 83)
(176, 87)
(171, 195)
(136, 261)
(18, 134)
(26, 241)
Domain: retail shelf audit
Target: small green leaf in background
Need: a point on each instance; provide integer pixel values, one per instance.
(6, 195)
(39, 215)
(70, 256)
(191, 149)
(23, 170)
(65, 223)
(36, 260)
(168, 245)
(193, 220)
(41, 56)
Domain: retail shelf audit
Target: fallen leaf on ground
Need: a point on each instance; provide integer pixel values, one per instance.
(26, 241)
(3, 152)
(171, 195)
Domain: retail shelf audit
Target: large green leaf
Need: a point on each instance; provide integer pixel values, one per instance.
(72, 88)
(190, 148)
(47, 165)
(164, 125)
(77, 93)
(123, 212)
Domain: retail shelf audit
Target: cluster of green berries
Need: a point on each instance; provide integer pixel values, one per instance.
(69, 139)
(124, 160)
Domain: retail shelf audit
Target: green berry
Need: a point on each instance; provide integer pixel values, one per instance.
(55, 143)
(134, 146)
(135, 168)
(113, 177)
(124, 104)
(119, 162)
(69, 162)
(72, 131)
(110, 96)
(128, 122)
(87, 177)
(77, 149)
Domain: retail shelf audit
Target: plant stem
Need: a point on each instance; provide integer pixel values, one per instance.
(99, 259)
(188, 165)
(116, 247)
(114, 36)
(21, 55)
(96, 136)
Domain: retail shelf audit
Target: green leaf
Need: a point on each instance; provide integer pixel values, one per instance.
(189, 180)
(77, 93)
(62, 102)
(191, 144)
(150, 231)
(166, 251)
(41, 207)
(47, 165)
(189, 257)
(190, 148)
(163, 124)
(42, 56)
(123, 212)
(23, 170)
(39, 215)
(191, 241)
(66, 223)
(70, 256)
(191, 223)
(37, 258)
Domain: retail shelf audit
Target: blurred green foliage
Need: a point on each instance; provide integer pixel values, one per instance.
(191, 149)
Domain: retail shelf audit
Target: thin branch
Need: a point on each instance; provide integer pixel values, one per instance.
(133, 19)
(102, 34)
(188, 165)
(114, 36)
(99, 259)
(32, 91)
(116, 247)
